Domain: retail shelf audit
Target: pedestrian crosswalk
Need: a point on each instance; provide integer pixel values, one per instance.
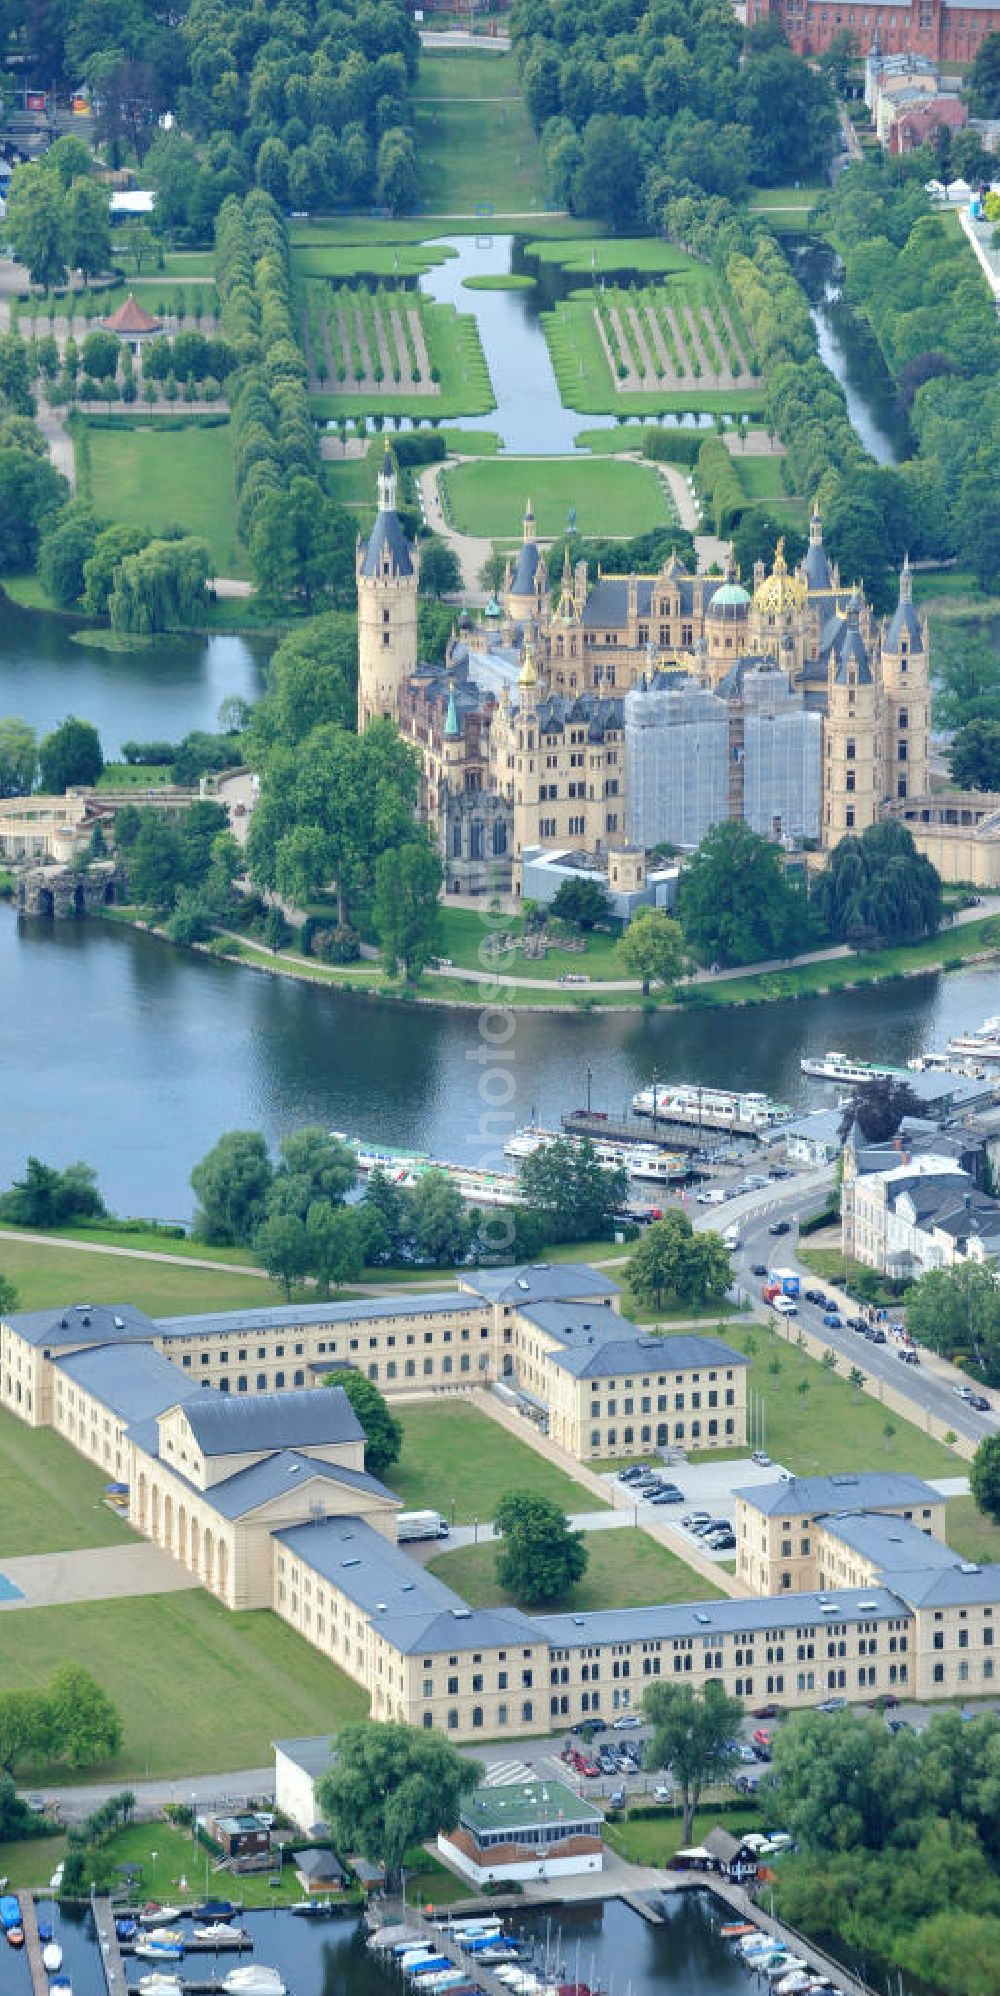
(502, 1772)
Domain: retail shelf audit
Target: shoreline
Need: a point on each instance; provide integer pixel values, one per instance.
(500, 992)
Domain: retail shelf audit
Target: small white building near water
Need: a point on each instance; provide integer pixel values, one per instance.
(525, 1830)
(298, 1765)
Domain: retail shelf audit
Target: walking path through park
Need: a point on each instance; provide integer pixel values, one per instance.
(95, 1573)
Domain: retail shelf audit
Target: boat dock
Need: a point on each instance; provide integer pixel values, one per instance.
(638, 1130)
(237, 1945)
(32, 1945)
(473, 1968)
(107, 1940)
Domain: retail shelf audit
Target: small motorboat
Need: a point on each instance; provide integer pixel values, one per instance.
(150, 1950)
(10, 1912)
(45, 1931)
(61, 1985)
(313, 1909)
(55, 1882)
(159, 1916)
(126, 1929)
(52, 1957)
(15, 1937)
(215, 1909)
(160, 1985)
(254, 1980)
(220, 1931)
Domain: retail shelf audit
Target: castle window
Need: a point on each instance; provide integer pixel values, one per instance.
(476, 839)
(499, 840)
(850, 751)
(901, 787)
(902, 751)
(456, 842)
(850, 779)
(849, 818)
(904, 720)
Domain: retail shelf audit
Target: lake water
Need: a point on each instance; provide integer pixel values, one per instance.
(156, 693)
(612, 1946)
(850, 351)
(117, 1048)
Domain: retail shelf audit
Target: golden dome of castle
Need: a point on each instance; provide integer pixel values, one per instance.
(527, 675)
(780, 592)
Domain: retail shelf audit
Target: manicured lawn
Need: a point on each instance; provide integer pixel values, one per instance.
(878, 966)
(833, 1425)
(607, 254)
(474, 139)
(971, 1534)
(366, 229)
(462, 929)
(585, 382)
(51, 1276)
(459, 1462)
(611, 498)
(515, 280)
(177, 1858)
(32, 1860)
(132, 776)
(50, 1499)
(145, 1237)
(198, 1689)
(463, 381)
(832, 1266)
(654, 1840)
(760, 477)
(158, 478)
(625, 1569)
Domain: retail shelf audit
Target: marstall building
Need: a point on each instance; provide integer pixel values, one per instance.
(260, 1492)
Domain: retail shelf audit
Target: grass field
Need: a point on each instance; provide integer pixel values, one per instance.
(157, 478)
(473, 135)
(45, 1275)
(585, 381)
(166, 1855)
(615, 254)
(199, 1689)
(760, 477)
(610, 498)
(463, 385)
(970, 1533)
(50, 1499)
(625, 1569)
(459, 1462)
(832, 1266)
(832, 1425)
(514, 280)
(655, 1839)
(351, 260)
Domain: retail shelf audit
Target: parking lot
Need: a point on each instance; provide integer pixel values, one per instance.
(707, 1486)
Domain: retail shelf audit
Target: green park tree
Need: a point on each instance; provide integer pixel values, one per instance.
(49, 1197)
(438, 1226)
(283, 1248)
(314, 1166)
(567, 1184)
(328, 808)
(100, 568)
(162, 587)
(440, 572)
(87, 227)
(311, 679)
(231, 1184)
(691, 1738)
(583, 902)
(877, 889)
(956, 1311)
(84, 1726)
(35, 228)
(67, 545)
(383, 1433)
(878, 1107)
(70, 756)
(24, 1728)
(538, 1559)
(671, 1259)
(391, 1787)
(18, 757)
(156, 867)
(31, 492)
(337, 1240)
(974, 756)
(735, 902)
(652, 948)
(302, 547)
(406, 908)
(984, 1477)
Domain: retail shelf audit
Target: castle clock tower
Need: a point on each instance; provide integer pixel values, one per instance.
(387, 569)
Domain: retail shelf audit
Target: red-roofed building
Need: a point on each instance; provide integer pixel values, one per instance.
(132, 324)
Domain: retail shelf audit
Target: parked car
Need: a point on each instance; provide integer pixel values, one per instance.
(723, 1542)
(626, 1721)
(832, 1320)
(908, 1357)
(766, 1711)
(632, 1474)
(761, 1737)
(832, 1705)
(617, 1798)
(662, 1793)
(668, 1497)
(696, 1518)
(855, 1323)
(876, 1334)
(742, 1752)
(761, 1458)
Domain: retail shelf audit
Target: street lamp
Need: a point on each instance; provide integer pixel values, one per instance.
(154, 1854)
(655, 1080)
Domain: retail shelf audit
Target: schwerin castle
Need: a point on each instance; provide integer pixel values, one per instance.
(611, 718)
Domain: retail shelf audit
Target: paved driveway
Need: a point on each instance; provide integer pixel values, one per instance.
(100, 1573)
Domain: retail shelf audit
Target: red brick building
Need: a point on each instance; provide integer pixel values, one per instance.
(926, 27)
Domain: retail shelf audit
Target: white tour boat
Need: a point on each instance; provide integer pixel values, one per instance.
(642, 1161)
(710, 1108)
(843, 1067)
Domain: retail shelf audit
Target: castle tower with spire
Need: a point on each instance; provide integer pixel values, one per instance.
(386, 569)
(853, 773)
(906, 684)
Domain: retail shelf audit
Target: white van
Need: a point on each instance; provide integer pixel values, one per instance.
(731, 1239)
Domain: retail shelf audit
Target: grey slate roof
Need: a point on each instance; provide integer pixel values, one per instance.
(387, 539)
(707, 1618)
(231, 1423)
(319, 1866)
(237, 1495)
(136, 1385)
(525, 569)
(600, 714)
(865, 1490)
(407, 1604)
(287, 1317)
(539, 1282)
(815, 567)
(83, 1324)
(964, 1585)
(852, 650)
(893, 1544)
(311, 1755)
(597, 1341)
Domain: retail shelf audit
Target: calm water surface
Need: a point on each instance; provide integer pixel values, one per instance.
(610, 1944)
(119, 1049)
(155, 694)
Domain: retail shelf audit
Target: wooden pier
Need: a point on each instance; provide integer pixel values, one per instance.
(33, 1946)
(642, 1130)
(473, 1967)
